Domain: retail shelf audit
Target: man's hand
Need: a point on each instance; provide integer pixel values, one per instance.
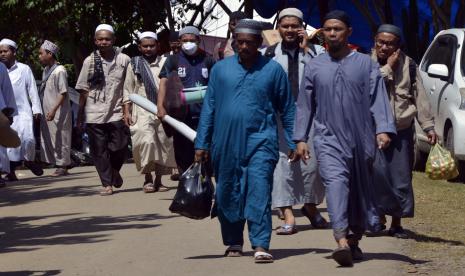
(201, 156)
(50, 115)
(393, 59)
(127, 118)
(291, 156)
(432, 137)
(383, 140)
(302, 152)
(161, 111)
(303, 38)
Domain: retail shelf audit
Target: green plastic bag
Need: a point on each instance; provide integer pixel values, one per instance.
(441, 164)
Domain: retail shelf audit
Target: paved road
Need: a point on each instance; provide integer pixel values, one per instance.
(62, 226)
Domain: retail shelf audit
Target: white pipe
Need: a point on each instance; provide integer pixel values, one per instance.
(181, 127)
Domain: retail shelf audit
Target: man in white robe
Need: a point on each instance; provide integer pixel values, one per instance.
(152, 149)
(25, 90)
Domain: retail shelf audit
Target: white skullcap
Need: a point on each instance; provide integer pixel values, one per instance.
(148, 35)
(9, 42)
(291, 12)
(104, 27)
(50, 46)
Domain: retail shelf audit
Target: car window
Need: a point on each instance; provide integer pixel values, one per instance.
(442, 51)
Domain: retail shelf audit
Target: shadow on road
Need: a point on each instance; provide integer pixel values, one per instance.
(278, 254)
(367, 256)
(393, 257)
(31, 273)
(423, 238)
(22, 235)
(23, 193)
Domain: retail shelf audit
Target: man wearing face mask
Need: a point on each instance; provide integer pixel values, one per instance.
(192, 65)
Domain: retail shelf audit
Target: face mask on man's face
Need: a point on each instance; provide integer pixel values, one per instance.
(189, 48)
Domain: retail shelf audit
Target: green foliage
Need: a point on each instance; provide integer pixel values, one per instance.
(71, 24)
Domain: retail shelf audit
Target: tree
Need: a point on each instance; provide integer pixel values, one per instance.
(71, 23)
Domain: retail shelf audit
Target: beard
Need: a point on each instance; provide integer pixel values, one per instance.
(335, 46)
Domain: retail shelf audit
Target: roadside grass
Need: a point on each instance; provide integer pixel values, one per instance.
(438, 230)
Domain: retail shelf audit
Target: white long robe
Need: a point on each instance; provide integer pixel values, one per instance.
(25, 90)
(56, 134)
(152, 149)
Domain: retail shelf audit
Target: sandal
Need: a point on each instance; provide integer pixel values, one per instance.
(317, 221)
(148, 188)
(60, 172)
(106, 191)
(343, 256)
(286, 229)
(234, 251)
(263, 257)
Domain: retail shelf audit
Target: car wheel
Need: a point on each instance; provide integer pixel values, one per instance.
(449, 144)
(419, 157)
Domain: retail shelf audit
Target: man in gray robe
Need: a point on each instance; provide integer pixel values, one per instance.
(408, 99)
(295, 183)
(344, 96)
(55, 126)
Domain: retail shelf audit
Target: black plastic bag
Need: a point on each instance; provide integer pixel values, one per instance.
(194, 196)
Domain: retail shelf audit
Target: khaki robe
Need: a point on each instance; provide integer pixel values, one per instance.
(56, 134)
(152, 149)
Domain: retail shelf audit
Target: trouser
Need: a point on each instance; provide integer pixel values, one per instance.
(254, 197)
(109, 149)
(259, 233)
(393, 176)
(348, 191)
(184, 148)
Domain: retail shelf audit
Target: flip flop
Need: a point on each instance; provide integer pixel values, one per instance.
(343, 256)
(317, 221)
(261, 257)
(234, 251)
(148, 188)
(60, 172)
(106, 191)
(286, 229)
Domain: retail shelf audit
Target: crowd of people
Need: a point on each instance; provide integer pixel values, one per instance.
(284, 125)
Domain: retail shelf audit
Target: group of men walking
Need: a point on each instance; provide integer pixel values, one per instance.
(281, 126)
(49, 107)
(321, 123)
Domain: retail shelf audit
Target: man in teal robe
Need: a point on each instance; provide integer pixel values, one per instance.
(238, 129)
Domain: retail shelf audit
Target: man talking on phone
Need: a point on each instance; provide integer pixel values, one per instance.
(408, 99)
(295, 183)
